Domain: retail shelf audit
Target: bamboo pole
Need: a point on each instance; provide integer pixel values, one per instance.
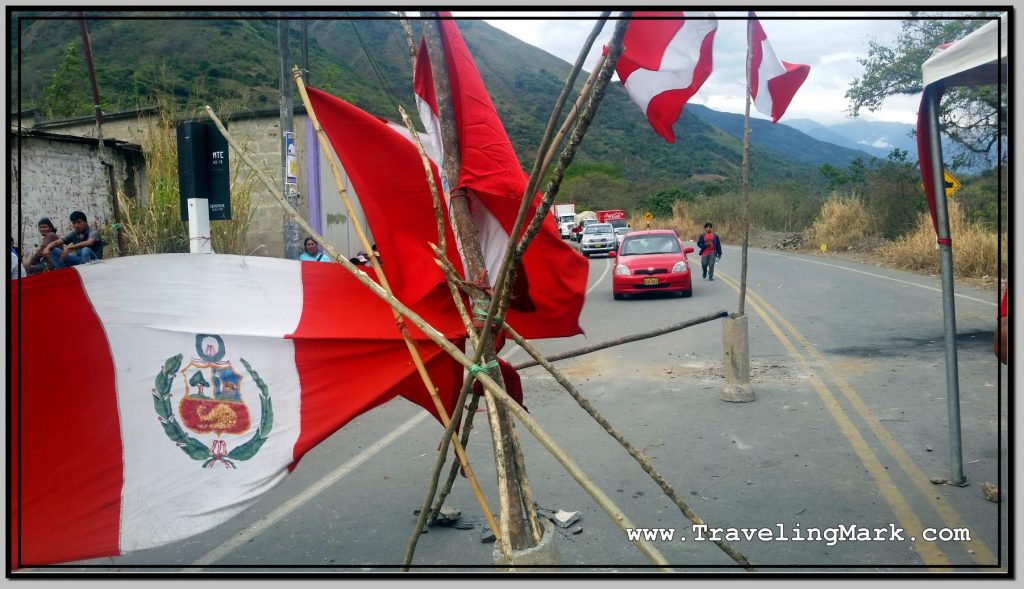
(438, 338)
(584, 403)
(638, 455)
(625, 339)
(375, 262)
(614, 50)
(538, 169)
(513, 530)
(570, 118)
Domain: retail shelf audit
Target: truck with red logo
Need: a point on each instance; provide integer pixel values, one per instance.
(616, 217)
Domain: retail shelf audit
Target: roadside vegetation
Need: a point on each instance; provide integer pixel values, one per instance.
(876, 208)
(154, 225)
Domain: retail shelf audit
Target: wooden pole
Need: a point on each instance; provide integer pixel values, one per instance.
(746, 180)
(379, 271)
(513, 528)
(98, 110)
(438, 338)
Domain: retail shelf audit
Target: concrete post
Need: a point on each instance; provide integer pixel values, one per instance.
(544, 553)
(199, 226)
(736, 363)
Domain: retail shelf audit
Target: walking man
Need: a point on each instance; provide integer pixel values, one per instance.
(710, 249)
(82, 245)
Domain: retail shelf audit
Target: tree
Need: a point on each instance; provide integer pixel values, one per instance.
(67, 94)
(968, 113)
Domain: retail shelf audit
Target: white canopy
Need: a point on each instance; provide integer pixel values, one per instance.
(971, 60)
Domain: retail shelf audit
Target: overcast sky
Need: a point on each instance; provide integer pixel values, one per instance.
(830, 43)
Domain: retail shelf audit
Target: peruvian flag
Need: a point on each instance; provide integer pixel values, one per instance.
(154, 397)
(664, 62)
(379, 157)
(773, 83)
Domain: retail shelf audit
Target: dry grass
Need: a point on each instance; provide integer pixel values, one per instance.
(977, 251)
(155, 226)
(841, 224)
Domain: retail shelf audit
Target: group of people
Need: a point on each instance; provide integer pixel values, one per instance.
(312, 253)
(81, 245)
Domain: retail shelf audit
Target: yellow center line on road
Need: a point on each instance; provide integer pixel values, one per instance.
(981, 553)
(930, 553)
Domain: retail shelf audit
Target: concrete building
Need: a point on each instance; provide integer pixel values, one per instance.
(55, 170)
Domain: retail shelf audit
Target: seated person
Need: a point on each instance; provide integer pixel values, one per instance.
(40, 261)
(82, 245)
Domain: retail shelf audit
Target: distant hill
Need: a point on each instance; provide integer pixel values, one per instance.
(802, 147)
(231, 59)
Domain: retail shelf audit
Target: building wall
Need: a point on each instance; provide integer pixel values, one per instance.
(260, 134)
(53, 177)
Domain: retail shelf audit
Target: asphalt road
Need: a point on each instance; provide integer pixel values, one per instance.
(849, 425)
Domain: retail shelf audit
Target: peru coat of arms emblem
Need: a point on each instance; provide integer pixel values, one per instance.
(212, 403)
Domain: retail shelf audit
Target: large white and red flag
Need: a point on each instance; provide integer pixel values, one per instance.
(773, 82)
(154, 397)
(666, 57)
(385, 168)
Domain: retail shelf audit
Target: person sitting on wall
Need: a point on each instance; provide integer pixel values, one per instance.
(40, 261)
(81, 246)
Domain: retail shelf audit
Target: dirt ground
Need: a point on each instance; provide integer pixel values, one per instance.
(862, 252)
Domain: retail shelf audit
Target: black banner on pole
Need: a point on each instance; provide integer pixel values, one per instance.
(203, 169)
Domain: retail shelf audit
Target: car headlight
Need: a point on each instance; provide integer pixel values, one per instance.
(621, 270)
(679, 267)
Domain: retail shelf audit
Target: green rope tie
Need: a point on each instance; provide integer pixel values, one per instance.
(480, 308)
(477, 368)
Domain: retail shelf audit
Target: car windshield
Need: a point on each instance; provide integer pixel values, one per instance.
(650, 244)
(598, 229)
(621, 230)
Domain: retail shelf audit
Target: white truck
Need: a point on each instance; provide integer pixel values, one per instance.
(565, 215)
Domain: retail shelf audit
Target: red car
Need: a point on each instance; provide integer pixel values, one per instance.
(652, 261)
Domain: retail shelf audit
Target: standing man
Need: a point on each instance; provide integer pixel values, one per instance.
(82, 245)
(710, 249)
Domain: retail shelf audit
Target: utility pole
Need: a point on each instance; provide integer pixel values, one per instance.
(115, 206)
(288, 157)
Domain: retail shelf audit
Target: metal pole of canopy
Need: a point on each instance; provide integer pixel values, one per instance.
(948, 305)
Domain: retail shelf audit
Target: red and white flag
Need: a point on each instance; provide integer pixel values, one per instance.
(154, 397)
(388, 177)
(665, 61)
(773, 83)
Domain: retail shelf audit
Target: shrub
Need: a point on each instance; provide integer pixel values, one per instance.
(841, 224)
(155, 225)
(977, 249)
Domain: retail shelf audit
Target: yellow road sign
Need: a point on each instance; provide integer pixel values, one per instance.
(648, 216)
(951, 183)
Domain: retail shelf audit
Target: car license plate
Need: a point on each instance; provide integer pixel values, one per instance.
(650, 281)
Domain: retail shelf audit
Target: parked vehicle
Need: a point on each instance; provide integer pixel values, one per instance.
(565, 215)
(616, 217)
(652, 261)
(598, 238)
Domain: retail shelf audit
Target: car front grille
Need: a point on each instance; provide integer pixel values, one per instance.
(654, 271)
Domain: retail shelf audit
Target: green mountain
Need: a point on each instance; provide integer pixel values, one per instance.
(230, 60)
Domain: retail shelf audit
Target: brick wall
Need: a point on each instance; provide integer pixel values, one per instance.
(260, 133)
(53, 176)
